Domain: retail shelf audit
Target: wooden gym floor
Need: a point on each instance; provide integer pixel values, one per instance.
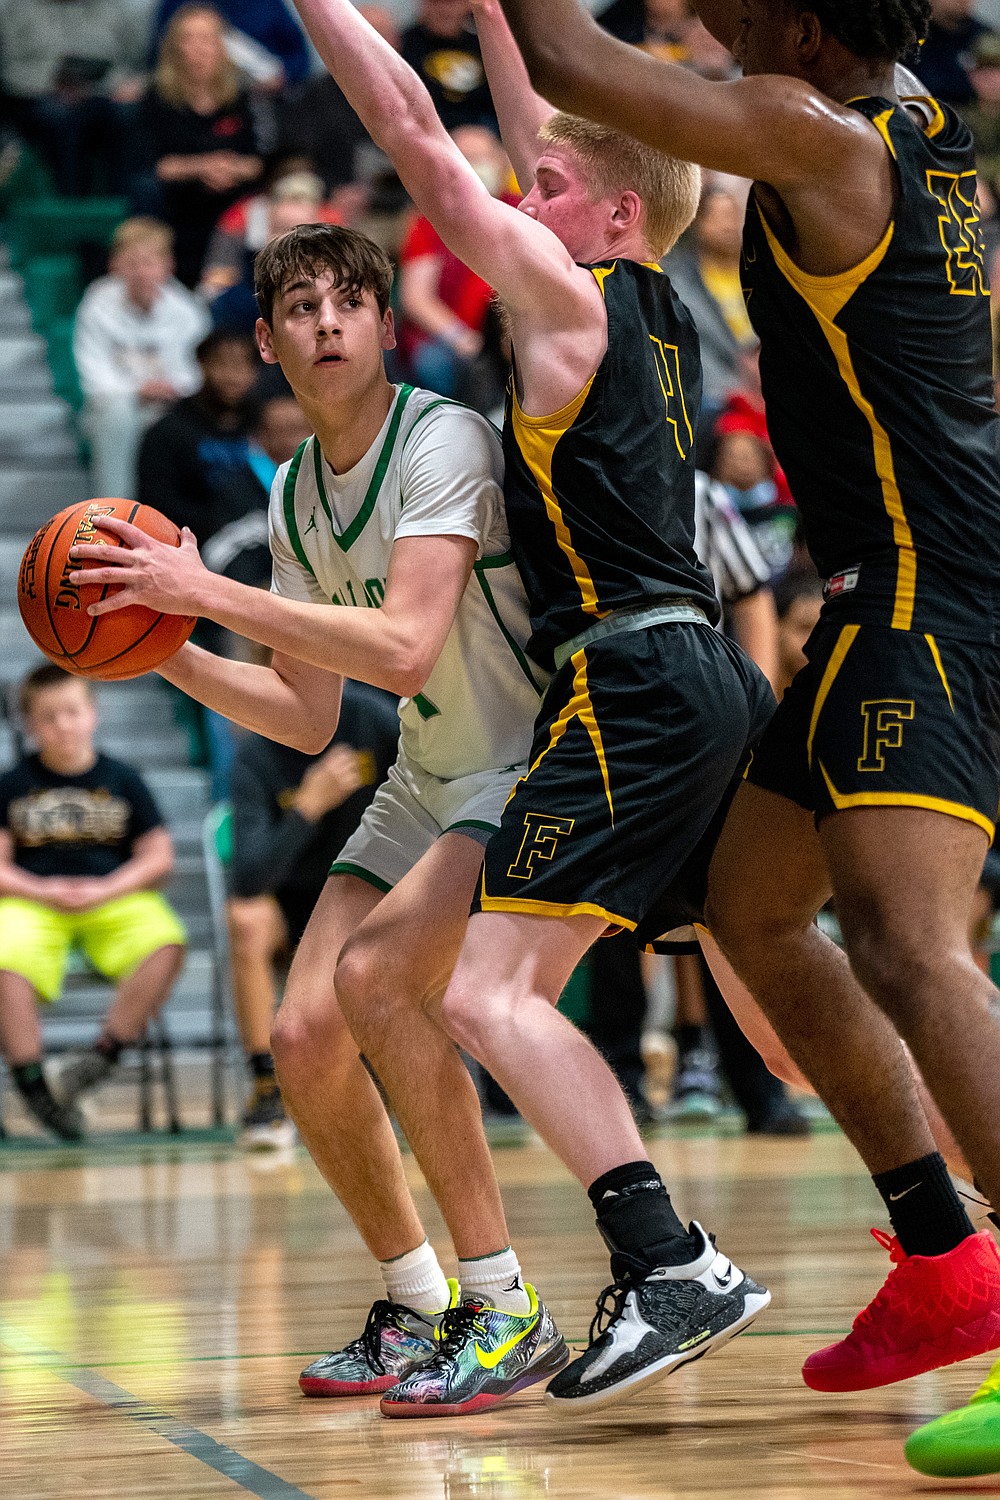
(157, 1303)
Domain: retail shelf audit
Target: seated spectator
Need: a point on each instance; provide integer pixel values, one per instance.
(247, 227)
(744, 465)
(443, 48)
(291, 813)
(947, 58)
(227, 279)
(82, 850)
(202, 439)
(69, 70)
(198, 142)
(236, 537)
(235, 542)
(134, 339)
(255, 27)
(668, 29)
(315, 122)
(443, 305)
(705, 272)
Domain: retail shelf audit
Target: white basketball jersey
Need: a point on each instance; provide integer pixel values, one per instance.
(435, 469)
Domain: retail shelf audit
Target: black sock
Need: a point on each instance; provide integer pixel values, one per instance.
(926, 1211)
(30, 1080)
(636, 1217)
(690, 1038)
(261, 1064)
(109, 1046)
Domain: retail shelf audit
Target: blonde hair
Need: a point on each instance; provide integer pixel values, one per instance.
(169, 74)
(614, 163)
(142, 231)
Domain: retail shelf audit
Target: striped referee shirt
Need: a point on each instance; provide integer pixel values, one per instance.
(725, 544)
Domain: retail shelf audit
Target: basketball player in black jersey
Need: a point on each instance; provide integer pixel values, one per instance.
(650, 715)
(863, 269)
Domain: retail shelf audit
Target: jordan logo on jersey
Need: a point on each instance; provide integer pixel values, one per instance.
(312, 523)
(542, 833)
(884, 720)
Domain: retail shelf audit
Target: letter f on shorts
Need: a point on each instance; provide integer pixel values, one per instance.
(542, 833)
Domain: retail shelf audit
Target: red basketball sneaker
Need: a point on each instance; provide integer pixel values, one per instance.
(932, 1311)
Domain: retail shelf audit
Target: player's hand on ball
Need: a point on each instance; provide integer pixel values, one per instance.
(143, 571)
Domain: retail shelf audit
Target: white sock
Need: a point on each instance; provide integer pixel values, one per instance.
(497, 1279)
(416, 1280)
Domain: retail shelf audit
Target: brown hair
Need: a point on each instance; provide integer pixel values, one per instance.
(169, 73)
(355, 261)
(46, 676)
(615, 163)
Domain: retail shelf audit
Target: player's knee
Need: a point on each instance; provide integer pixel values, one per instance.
(370, 989)
(301, 1034)
(473, 1017)
(899, 969)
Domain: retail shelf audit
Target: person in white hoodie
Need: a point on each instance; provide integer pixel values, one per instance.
(134, 339)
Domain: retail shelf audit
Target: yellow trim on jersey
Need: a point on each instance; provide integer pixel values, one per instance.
(579, 707)
(842, 802)
(601, 274)
(933, 127)
(537, 438)
(827, 296)
(845, 641)
(940, 666)
(523, 907)
(881, 123)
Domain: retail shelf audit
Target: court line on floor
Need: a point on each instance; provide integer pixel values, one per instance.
(191, 1440)
(828, 1458)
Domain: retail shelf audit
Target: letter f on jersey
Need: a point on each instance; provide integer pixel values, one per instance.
(542, 833)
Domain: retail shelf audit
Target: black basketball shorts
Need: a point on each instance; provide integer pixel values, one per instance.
(641, 737)
(888, 718)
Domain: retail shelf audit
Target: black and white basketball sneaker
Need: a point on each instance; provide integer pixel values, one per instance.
(650, 1322)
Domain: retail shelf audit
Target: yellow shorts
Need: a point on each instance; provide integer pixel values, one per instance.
(36, 940)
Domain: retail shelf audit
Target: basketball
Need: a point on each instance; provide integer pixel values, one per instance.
(54, 610)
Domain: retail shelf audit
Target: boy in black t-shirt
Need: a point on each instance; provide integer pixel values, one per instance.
(82, 848)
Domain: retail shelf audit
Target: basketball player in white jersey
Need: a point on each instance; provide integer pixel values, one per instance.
(394, 512)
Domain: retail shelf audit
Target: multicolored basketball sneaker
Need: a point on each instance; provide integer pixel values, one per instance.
(483, 1356)
(650, 1322)
(396, 1339)
(932, 1311)
(962, 1443)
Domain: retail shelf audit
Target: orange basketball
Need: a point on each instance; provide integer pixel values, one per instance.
(54, 611)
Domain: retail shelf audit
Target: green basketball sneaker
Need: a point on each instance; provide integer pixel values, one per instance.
(483, 1356)
(962, 1443)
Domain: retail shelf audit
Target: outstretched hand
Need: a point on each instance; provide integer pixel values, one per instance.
(143, 571)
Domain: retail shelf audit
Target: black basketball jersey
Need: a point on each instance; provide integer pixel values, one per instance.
(600, 495)
(878, 385)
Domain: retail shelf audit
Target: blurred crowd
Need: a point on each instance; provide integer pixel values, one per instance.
(217, 129)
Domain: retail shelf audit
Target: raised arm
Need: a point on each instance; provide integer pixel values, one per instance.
(771, 128)
(520, 111)
(519, 258)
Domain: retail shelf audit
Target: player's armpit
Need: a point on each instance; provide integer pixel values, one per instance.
(770, 128)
